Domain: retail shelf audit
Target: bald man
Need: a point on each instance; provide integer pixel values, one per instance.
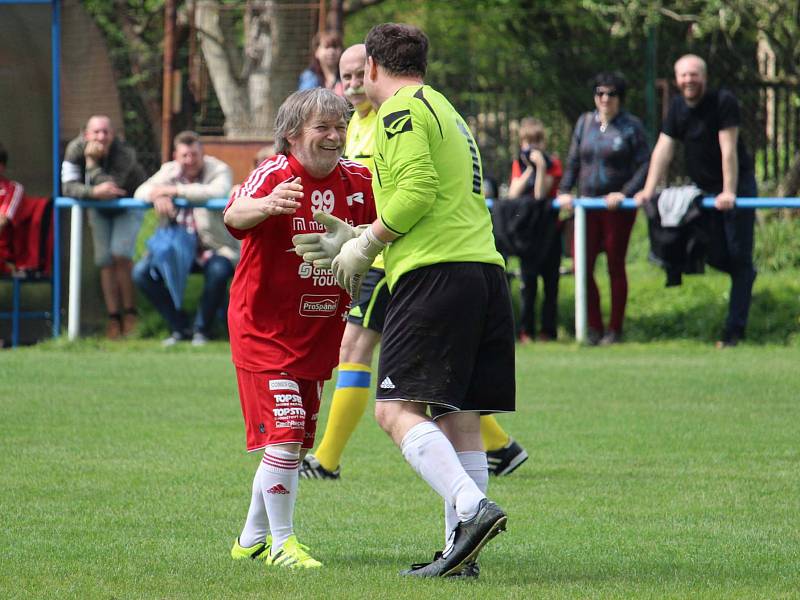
(707, 121)
(99, 166)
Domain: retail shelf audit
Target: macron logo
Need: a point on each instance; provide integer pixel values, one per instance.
(357, 197)
(387, 384)
(277, 489)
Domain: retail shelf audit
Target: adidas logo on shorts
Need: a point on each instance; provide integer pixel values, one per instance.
(387, 384)
(277, 489)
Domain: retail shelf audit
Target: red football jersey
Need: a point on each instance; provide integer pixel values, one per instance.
(285, 314)
(11, 194)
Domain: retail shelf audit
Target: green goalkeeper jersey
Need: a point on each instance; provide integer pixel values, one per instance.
(427, 184)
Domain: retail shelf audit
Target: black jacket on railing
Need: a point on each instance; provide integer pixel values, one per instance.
(680, 249)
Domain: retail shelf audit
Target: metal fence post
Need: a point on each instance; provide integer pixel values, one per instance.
(579, 264)
(56, 286)
(75, 252)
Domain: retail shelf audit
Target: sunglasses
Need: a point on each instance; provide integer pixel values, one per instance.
(610, 94)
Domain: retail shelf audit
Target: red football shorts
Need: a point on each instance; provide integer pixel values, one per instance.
(278, 408)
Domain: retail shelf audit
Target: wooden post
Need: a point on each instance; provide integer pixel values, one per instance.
(166, 99)
(322, 22)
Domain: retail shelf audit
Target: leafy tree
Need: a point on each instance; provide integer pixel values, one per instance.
(497, 60)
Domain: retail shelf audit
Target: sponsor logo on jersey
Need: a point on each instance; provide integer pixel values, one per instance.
(305, 270)
(288, 399)
(300, 224)
(284, 384)
(358, 197)
(396, 123)
(387, 384)
(319, 276)
(291, 411)
(318, 305)
(290, 424)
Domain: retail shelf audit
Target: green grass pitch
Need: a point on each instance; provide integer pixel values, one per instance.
(666, 470)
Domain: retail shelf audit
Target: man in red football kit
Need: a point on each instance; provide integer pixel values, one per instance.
(286, 317)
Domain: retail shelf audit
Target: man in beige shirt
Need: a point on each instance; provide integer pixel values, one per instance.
(196, 178)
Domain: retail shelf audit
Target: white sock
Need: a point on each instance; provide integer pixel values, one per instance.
(474, 463)
(432, 455)
(255, 527)
(279, 486)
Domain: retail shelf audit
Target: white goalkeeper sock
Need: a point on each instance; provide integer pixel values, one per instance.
(432, 455)
(474, 463)
(255, 527)
(279, 486)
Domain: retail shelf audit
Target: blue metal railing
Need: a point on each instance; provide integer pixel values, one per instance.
(64, 202)
(76, 248)
(600, 204)
(580, 205)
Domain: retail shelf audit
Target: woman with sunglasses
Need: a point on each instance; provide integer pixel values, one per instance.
(608, 157)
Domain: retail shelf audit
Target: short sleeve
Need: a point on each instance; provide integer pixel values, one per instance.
(258, 184)
(670, 125)
(555, 170)
(728, 110)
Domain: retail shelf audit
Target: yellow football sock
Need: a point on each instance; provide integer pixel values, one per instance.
(349, 403)
(494, 437)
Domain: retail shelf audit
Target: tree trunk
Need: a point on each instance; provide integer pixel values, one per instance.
(291, 33)
(790, 184)
(258, 54)
(230, 92)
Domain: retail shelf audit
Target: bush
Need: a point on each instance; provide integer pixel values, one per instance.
(777, 242)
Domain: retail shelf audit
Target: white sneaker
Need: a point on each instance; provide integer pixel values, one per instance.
(173, 339)
(198, 339)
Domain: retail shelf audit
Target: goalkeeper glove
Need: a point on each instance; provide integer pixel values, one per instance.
(320, 248)
(354, 260)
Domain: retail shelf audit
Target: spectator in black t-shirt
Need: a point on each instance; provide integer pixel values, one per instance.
(707, 122)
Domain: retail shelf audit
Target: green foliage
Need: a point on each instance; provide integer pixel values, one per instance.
(134, 31)
(730, 20)
(500, 60)
(662, 470)
(777, 242)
